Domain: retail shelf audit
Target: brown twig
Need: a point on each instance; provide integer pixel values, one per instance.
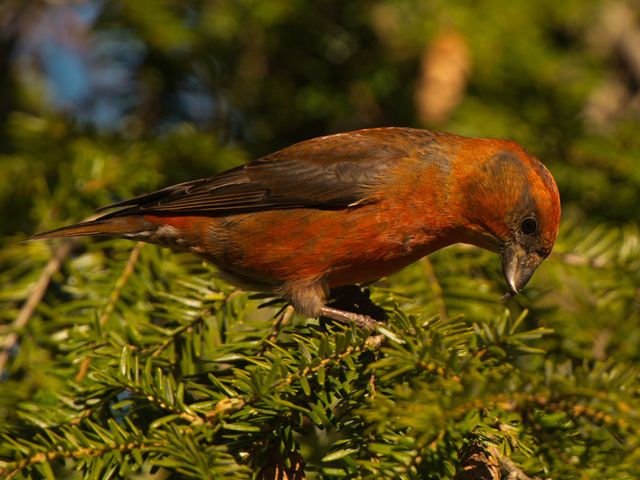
(436, 288)
(35, 297)
(510, 471)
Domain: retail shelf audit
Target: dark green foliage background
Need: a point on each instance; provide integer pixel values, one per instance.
(187, 378)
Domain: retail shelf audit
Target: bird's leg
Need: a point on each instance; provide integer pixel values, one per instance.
(363, 321)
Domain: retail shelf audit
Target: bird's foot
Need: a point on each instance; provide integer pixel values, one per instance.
(363, 321)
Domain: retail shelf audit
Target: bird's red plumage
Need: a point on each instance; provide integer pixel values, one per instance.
(348, 208)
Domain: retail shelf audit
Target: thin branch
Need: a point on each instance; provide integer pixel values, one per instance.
(510, 471)
(436, 288)
(193, 419)
(34, 299)
(11, 469)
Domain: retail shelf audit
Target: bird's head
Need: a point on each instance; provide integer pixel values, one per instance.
(513, 208)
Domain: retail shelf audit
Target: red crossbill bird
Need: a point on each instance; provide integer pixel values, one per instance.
(350, 208)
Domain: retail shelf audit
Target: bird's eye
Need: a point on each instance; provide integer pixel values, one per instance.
(529, 226)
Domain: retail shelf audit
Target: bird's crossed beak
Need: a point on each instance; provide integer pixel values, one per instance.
(518, 266)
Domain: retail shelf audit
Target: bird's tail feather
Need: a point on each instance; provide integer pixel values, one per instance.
(118, 226)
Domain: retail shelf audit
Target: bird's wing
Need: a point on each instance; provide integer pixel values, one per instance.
(332, 172)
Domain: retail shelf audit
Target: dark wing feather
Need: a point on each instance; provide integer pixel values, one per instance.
(331, 172)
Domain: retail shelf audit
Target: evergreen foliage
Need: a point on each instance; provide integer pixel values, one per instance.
(123, 360)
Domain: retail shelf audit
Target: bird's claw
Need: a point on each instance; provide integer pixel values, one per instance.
(364, 322)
